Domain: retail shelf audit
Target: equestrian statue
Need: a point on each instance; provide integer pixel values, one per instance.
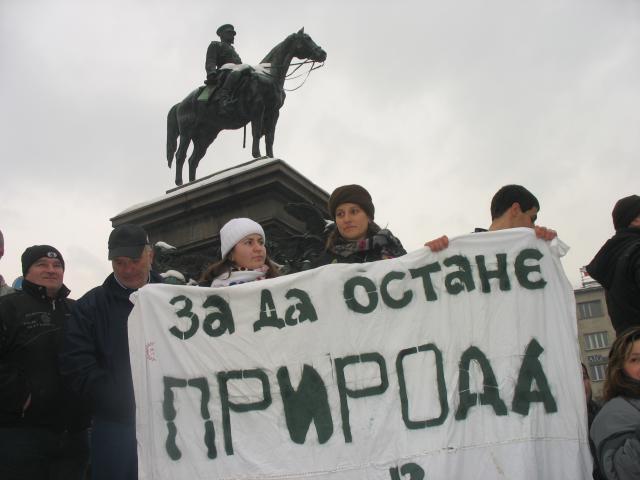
(234, 94)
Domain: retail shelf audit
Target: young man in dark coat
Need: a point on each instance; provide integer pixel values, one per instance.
(95, 356)
(42, 429)
(617, 265)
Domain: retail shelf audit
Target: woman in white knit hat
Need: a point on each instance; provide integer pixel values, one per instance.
(244, 256)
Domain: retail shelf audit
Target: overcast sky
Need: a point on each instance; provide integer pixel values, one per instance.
(431, 105)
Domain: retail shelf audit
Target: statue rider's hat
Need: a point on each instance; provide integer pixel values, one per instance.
(224, 28)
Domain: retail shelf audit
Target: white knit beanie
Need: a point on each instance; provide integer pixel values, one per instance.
(235, 230)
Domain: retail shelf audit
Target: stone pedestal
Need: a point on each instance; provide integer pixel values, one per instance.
(190, 217)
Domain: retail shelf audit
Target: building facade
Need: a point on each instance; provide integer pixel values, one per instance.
(595, 333)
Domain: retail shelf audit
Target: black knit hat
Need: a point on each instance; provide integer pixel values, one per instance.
(625, 211)
(127, 240)
(34, 253)
(351, 194)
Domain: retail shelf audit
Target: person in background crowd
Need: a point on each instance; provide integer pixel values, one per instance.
(244, 256)
(4, 288)
(356, 238)
(616, 429)
(43, 432)
(592, 410)
(512, 206)
(95, 357)
(617, 265)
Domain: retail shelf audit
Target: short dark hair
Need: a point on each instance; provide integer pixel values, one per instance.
(510, 194)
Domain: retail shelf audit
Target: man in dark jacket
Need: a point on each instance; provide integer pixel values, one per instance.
(617, 265)
(95, 356)
(42, 429)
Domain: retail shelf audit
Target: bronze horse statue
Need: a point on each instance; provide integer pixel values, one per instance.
(260, 94)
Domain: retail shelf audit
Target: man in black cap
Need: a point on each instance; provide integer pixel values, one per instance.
(95, 356)
(42, 429)
(617, 265)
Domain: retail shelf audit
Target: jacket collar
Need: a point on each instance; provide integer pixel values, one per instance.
(40, 292)
(112, 284)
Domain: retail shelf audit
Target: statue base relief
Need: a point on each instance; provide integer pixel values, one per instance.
(189, 217)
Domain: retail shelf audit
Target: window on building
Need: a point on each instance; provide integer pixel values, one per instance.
(598, 372)
(596, 340)
(589, 309)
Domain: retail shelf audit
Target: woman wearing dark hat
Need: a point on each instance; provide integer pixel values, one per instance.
(355, 237)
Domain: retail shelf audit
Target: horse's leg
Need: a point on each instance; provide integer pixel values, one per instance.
(198, 152)
(256, 131)
(181, 155)
(270, 135)
(200, 145)
(173, 132)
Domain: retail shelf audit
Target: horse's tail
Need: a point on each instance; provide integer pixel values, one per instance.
(172, 133)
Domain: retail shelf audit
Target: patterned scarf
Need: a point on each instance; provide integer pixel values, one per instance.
(383, 241)
(240, 275)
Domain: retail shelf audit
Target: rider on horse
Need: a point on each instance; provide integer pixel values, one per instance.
(219, 54)
(260, 97)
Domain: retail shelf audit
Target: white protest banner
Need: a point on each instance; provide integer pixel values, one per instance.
(457, 365)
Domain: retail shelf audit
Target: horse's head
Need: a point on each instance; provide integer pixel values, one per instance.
(306, 48)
